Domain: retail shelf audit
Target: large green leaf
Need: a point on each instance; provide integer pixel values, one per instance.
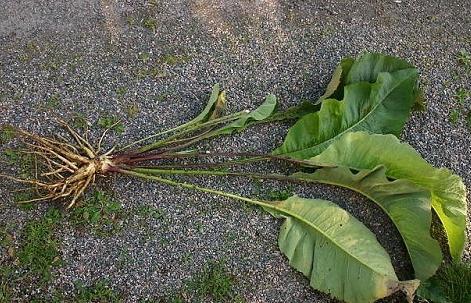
(380, 107)
(406, 204)
(259, 114)
(338, 254)
(366, 68)
(359, 150)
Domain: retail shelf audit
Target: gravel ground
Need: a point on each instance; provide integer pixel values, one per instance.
(61, 58)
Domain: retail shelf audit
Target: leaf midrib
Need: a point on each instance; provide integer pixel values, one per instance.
(294, 215)
(359, 121)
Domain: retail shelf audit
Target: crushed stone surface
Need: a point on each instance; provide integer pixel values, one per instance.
(60, 59)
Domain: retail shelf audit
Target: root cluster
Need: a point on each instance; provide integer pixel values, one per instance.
(63, 169)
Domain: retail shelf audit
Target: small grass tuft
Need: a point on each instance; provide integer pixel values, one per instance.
(6, 239)
(171, 60)
(6, 277)
(214, 282)
(279, 195)
(99, 213)
(272, 194)
(11, 156)
(187, 257)
(144, 57)
(121, 91)
(464, 58)
(148, 212)
(24, 162)
(174, 299)
(456, 281)
(7, 133)
(160, 97)
(111, 122)
(149, 23)
(132, 110)
(53, 101)
(25, 206)
(79, 121)
(462, 95)
(99, 292)
(30, 50)
(454, 116)
(7, 274)
(153, 72)
(24, 58)
(56, 297)
(23, 196)
(450, 284)
(156, 72)
(40, 251)
(130, 20)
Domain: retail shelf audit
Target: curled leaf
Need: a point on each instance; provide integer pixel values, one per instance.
(208, 110)
(406, 204)
(259, 114)
(360, 150)
(336, 84)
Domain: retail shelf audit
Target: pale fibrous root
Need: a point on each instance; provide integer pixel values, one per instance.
(66, 169)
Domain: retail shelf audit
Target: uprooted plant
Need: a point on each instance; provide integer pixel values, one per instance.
(347, 138)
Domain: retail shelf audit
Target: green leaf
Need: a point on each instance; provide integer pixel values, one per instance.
(335, 87)
(380, 107)
(360, 150)
(207, 111)
(368, 67)
(338, 254)
(405, 203)
(259, 114)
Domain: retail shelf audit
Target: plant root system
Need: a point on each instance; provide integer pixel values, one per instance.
(63, 170)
